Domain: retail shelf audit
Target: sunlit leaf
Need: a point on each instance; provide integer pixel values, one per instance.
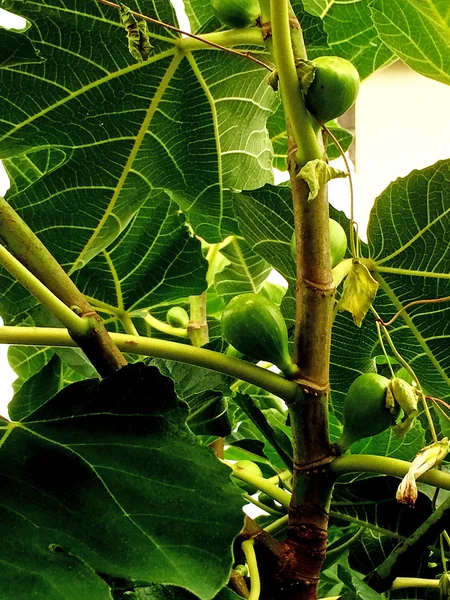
(352, 34)
(399, 22)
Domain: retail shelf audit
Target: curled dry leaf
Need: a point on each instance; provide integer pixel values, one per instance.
(426, 459)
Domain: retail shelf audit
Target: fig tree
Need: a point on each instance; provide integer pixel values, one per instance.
(334, 88)
(365, 411)
(338, 243)
(255, 326)
(237, 13)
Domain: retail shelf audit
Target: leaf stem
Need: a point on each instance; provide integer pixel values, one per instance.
(400, 583)
(383, 347)
(411, 272)
(228, 365)
(165, 327)
(250, 557)
(354, 238)
(410, 370)
(75, 324)
(198, 325)
(259, 483)
(128, 324)
(412, 326)
(222, 40)
(347, 543)
(277, 525)
(366, 463)
(261, 505)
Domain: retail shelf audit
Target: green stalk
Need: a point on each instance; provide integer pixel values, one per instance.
(248, 36)
(366, 463)
(401, 583)
(277, 526)
(75, 324)
(348, 543)
(198, 325)
(128, 324)
(267, 509)
(300, 121)
(271, 382)
(259, 483)
(165, 327)
(31, 252)
(264, 5)
(411, 273)
(250, 557)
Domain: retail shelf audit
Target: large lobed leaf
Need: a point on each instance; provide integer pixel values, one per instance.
(399, 22)
(90, 139)
(105, 481)
(409, 233)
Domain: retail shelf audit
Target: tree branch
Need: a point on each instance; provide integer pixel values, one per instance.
(31, 252)
(409, 552)
(228, 365)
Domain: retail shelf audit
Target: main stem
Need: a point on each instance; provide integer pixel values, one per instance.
(304, 549)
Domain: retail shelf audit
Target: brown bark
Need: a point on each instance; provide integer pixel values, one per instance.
(304, 550)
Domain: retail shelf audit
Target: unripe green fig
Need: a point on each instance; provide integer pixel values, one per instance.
(255, 326)
(338, 243)
(237, 13)
(248, 465)
(334, 89)
(365, 411)
(177, 317)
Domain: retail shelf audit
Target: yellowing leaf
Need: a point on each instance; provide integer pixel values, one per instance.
(137, 32)
(360, 289)
(407, 396)
(317, 173)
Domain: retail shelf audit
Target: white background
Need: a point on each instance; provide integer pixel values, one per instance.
(401, 124)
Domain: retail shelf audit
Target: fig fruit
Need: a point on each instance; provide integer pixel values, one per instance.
(338, 243)
(237, 13)
(255, 326)
(177, 317)
(334, 88)
(365, 411)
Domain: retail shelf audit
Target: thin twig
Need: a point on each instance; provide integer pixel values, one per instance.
(414, 303)
(410, 370)
(192, 35)
(354, 243)
(435, 400)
